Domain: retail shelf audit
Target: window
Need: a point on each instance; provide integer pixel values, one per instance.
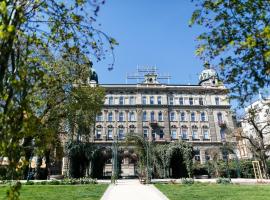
(131, 100)
(172, 116)
(152, 116)
(152, 100)
(222, 134)
(144, 116)
(205, 133)
(121, 117)
(144, 100)
(195, 133)
(183, 118)
(110, 117)
(121, 134)
(171, 100)
(159, 100)
(153, 134)
(219, 116)
(217, 100)
(132, 116)
(99, 117)
(145, 133)
(110, 134)
(207, 156)
(161, 134)
(173, 134)
(203, 117)
(197, 155)
(190, 101)
(98, 134)
(192, 117)
(121, 100)
(181, 101)
(160, 117)
(200, 101)
(110, 100)
(184, 133)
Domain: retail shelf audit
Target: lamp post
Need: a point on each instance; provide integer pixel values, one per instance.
(226, 155)
(114, 160)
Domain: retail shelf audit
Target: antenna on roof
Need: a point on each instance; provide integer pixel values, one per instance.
(142, 71)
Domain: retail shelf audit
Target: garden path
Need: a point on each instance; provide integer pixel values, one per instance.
(132, 190)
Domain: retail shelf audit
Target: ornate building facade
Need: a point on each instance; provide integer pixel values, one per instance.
(198, 114)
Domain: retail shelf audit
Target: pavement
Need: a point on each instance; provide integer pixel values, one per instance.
(132, 190)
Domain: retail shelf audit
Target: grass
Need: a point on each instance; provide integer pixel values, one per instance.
(59, 192)
(215, 192)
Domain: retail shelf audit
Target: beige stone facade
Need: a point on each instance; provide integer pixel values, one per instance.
(198, 114)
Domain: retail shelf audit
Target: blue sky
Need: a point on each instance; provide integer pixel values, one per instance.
(150, 33)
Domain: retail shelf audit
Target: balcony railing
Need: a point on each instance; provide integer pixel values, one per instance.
(222, 124)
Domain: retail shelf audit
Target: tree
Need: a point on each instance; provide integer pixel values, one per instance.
(36, 37)
(256, 130)
(236, 38)
(144, 149)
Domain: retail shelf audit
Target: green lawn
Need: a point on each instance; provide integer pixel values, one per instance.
(59, 192)
(215, 192)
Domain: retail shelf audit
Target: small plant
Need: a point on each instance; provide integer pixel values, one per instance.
(221, 180)
(187, 181)
(53, 182)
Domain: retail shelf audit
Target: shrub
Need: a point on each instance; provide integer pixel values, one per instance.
(29, 183)
(53, 182)
(187, 181)
(221, 180)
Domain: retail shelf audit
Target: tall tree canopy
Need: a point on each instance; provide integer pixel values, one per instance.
(237, 39)
(46, 48)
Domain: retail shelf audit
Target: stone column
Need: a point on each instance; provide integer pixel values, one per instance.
(202, 155)
(167, 134)
(127, 120)
(189, 126)
(139, 121)
(65, 166)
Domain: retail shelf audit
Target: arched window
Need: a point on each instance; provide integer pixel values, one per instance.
(181, 101)
(195, 135)
(200, 101)
(131, 100)
(192, 117)
(159, 100)
(217, 100)
(144, 100)
(172, 116)
(171, 100)
(183, 117)
(131, 116)
(110, 117)
(203, 117)
(219, 116)
(121, 117)
(205, 133)
(121, 100)
(190, 101)
(121, 134)
(152, 100)
(222, 134)
(160, 116)
(99, 117)
(144, 116)
(110, 100)
(152, 116)
(184, 132)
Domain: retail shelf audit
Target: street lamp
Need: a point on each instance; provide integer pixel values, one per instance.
(114, 160)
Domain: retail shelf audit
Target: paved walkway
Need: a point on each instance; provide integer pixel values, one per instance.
(132, 190)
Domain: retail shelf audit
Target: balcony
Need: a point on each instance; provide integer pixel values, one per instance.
(153, 124)
(222, 124)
